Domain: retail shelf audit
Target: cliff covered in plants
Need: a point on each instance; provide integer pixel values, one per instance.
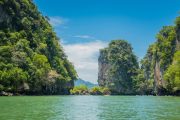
(117, 67)
(31, 58)
(162, 61)
(158, 72)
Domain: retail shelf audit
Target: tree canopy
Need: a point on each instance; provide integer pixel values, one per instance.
(30, 51)
(119, 65)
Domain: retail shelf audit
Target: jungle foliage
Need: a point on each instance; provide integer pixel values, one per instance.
(118, 67)
(160, 67)
(31, 58)
(83, 90)
(158, 72)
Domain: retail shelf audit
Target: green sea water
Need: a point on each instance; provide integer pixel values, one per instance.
(90, 108)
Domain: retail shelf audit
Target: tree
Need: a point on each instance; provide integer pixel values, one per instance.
(172, 75)
(14, 77)
(79, 90)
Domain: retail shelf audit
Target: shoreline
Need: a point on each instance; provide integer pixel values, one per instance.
(11, 95)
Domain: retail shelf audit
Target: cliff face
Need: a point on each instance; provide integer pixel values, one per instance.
(117, 67)
(103, 67)
(160, 57)
(158, 78)
(31, 59)
(178, 33)
(3, 16)
(159, 72)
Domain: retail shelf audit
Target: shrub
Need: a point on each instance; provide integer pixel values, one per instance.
(79, 90)
(100, 91)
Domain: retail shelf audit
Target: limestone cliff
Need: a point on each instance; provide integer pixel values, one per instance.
(159, 57)
(117, 67)
(32, 61)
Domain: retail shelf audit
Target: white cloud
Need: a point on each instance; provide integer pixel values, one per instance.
(84, 36)
(57, 21)
(84, 56)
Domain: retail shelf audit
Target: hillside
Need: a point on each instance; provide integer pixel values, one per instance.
(31, 59)
(83, 82)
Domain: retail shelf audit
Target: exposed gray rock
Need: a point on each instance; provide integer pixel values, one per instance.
(3, 16)
(2, 93)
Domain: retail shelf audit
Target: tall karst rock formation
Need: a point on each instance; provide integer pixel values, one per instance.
(117, 67)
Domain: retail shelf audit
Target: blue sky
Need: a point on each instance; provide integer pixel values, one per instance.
(85, 26)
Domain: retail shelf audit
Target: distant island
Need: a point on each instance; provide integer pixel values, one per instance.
(32, 61)
(87, 88)
(79, 82)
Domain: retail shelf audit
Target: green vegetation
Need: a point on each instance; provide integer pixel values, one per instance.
(100, 91)
(33, 62)
(158, 72)
(172, 74)
(160, 68)
(117, 67)
(79, 90)
(83, 90)
(31, 59)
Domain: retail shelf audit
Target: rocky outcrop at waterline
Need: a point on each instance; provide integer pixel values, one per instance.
(2, 93)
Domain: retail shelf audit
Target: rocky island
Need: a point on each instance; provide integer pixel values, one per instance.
(117, 67)
(33, 62)
(158, 73)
